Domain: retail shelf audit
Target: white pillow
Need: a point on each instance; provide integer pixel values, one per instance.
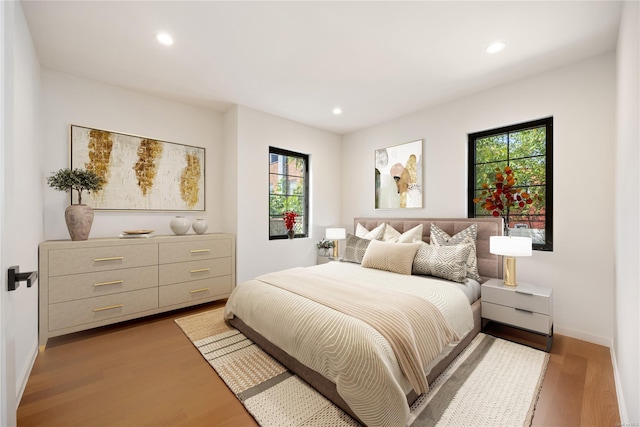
(375, 234)
(410, 236)
(394, 257)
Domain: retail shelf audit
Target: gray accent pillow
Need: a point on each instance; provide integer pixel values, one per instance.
(447, 262)
(355, 249)
(441, 238)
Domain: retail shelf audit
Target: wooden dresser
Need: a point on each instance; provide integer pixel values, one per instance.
(96, 282)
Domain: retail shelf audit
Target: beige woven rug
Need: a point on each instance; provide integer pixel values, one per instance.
(492, 383)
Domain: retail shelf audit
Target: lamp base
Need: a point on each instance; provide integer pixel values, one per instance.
(509, 271)
(335, 249)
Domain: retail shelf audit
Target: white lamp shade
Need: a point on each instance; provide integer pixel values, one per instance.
(510, 245)
(336, 233)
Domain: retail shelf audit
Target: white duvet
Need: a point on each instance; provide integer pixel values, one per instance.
(343, 349)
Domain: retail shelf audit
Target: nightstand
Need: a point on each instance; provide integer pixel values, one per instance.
(323, 259)
(528, 307)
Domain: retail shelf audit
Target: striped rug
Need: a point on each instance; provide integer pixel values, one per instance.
(492, 383)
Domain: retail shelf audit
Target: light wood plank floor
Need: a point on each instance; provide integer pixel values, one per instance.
(147, 373)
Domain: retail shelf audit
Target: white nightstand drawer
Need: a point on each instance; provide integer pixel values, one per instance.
(512, 316)
(518, 298)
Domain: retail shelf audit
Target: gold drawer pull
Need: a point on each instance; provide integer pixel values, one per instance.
(200, 270)
(108, 308)
(195, 251)
(115, 282)
(113, 258)
(198, 290)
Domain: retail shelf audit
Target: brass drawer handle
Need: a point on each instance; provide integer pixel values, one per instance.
(198, 290)
(108, 308)
(115, 282)
(195, 251)
(200, 270)
(113, 258)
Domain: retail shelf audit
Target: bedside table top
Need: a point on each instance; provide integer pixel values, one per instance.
(523, 288)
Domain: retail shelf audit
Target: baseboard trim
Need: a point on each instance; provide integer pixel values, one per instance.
(21, 381)
(624, 417)
(595, 339)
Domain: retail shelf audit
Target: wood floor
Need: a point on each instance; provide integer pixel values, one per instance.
(147, 373)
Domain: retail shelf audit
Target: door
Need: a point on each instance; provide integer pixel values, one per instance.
(7, 339)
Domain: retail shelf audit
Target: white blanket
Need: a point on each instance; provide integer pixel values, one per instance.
(345, 350)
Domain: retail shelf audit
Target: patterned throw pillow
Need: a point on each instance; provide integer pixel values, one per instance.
(375, 234)
(409, 236)
(388, 256)
(447, 262)
(355, 248)
(441, 238)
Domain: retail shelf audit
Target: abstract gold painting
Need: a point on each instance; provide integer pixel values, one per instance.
(140, 173)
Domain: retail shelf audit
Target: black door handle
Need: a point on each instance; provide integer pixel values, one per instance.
(15, 277)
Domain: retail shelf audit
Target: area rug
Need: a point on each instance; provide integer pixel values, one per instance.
(492, 383)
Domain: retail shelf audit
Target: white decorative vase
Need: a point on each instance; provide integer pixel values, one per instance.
(179, 225)
(200, 225)
(79, 219)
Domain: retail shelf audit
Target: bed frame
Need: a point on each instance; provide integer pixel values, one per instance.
(489, 266)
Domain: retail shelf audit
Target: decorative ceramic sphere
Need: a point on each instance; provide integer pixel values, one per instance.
(179, 225)
(200, 225)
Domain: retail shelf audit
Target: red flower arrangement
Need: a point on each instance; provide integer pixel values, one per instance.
(289, 219)
(505, 196)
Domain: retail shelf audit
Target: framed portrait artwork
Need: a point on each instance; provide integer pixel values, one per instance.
(398, 176)
(140, 173)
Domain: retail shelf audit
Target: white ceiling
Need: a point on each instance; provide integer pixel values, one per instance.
(299, 60)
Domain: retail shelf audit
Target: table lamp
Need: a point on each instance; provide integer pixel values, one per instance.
(510, 247)
(335, 234)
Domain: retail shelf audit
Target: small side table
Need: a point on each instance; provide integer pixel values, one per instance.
(528, 307)
(322, 259)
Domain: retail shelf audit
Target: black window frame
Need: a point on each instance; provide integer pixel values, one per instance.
(547, 122)
(305, 216)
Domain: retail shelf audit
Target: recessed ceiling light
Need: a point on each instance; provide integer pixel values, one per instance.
(165, 39)
(495, 47)
(337, 110)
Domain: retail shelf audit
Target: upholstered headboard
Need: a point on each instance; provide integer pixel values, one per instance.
(489, 265)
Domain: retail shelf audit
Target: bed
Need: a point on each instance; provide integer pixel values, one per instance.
(359, 367)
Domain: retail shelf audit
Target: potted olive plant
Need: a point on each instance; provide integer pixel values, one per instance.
(79, 217)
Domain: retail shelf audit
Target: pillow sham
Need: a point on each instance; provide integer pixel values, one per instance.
(410, 236)
(447, 262)
(441, 238)
(355, 247)
(393, 257)
(375, 234)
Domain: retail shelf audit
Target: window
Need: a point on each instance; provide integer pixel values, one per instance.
(527, 149)
(288, 191)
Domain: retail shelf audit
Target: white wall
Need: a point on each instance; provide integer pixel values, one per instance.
(71, 100)
(581, 98)
(627, 248)
(256, 131)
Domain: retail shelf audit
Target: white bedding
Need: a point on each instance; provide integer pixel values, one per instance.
(345, 350)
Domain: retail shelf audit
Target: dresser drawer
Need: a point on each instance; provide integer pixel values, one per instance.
(87, 260)
(520, 299)
(524, 319)
(194, 250)
(73, 313)
(214, 288)
(87, 285)
(194, 270)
